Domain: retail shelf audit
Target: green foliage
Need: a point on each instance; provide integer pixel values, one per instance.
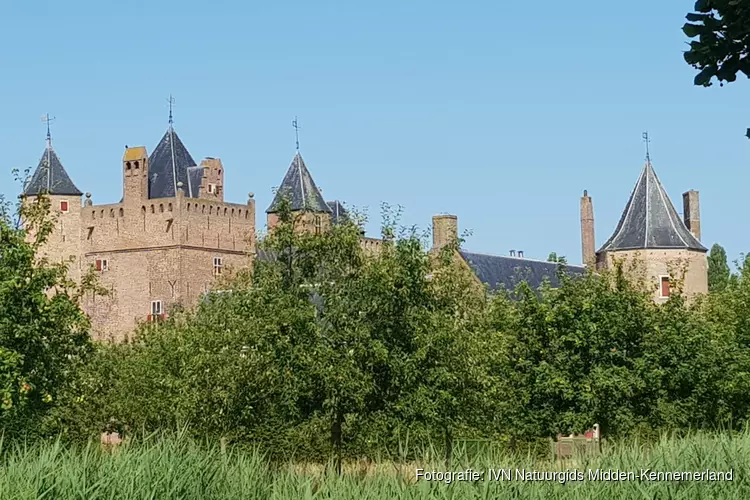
(718, 269)
(43, 333)
(720, 30)
(174, 467)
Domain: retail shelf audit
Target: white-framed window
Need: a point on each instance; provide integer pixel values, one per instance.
(664, 286)
(218, 264)
(64, 206)
(102, 265)
(156, 308)
(212, 188)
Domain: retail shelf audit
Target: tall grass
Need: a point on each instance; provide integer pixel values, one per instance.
(178, 468)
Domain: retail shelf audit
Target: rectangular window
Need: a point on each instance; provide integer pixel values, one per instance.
(217, 266)
(64, 206)
(156, 309)
(318, 224)
(664, 286)
(212, 188)
(102, 265)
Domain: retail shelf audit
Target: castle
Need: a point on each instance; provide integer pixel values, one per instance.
(172, 236)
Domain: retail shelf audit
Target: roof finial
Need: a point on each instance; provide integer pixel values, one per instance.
(47, 119)
(646, 140)
(171, 102)
(296, 126)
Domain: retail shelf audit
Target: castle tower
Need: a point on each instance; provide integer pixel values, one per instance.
(51, 179)
(169, 164)
(654, 243)
(310, 209)
(135, 175)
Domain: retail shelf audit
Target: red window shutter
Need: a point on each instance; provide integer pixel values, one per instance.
(665, 287)
(98, 264)
(64, 206)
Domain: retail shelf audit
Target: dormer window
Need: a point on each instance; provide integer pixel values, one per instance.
(64, 206)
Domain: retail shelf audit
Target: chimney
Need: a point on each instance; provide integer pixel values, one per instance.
(588, 242)
(691, 210)
(520, 253)
(512, 253)
(444, 230)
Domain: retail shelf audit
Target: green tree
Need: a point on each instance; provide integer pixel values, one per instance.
(44, 335)
(718, 269)
(720, 30)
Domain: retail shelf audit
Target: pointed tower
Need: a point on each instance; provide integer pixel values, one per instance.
(306, 202)
(171, 163)
(51, 179)
(653, 238)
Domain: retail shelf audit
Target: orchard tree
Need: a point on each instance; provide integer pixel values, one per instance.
(720, 33)
(718, 269)
(44, 335)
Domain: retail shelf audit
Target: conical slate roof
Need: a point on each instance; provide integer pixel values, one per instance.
(59, 180)
(169, 164)
(339, 213)
(300, 189)
(650, 220)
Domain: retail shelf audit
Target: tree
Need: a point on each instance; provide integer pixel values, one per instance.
(553, 257)
(718, 269)
(721, 33)
(44, 334)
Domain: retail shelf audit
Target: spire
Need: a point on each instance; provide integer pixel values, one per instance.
(298, 186)
(50, 176)
(171, 163)
(296, 126)
(650, 220)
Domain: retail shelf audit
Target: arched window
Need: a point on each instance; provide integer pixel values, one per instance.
(169, 207)
(93, 214)
(225, 210)
(161, 207)
(152, 209)
(122, 212)
(143, 209)
(111, 212)
(127, 166)
(210, 210)
(136, 164)
(232, 212)
(203, 209)
(188, 207)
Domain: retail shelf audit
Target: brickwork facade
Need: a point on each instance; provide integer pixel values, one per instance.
(151, 253)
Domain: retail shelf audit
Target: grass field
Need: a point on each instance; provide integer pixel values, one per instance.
(177, 468)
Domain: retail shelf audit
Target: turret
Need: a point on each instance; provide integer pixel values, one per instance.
(135, 175)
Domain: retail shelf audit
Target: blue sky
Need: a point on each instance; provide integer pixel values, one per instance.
(492, 111)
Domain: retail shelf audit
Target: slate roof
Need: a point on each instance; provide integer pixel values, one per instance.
(60, 182)
(498, 272)
(169, 164)
(339, 214)
(650, 220)
(299, 187)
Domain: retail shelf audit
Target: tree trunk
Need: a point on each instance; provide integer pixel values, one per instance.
(336, 439)
(448, 446)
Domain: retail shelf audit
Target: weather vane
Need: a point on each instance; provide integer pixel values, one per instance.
(48, 119)
(646, 140)
(171, 102)
(296, 126)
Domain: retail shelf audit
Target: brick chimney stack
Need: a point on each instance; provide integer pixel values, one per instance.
(691, 210)
(444, 230)
(588, 242)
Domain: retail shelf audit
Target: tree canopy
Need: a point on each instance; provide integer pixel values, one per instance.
(720, 33)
